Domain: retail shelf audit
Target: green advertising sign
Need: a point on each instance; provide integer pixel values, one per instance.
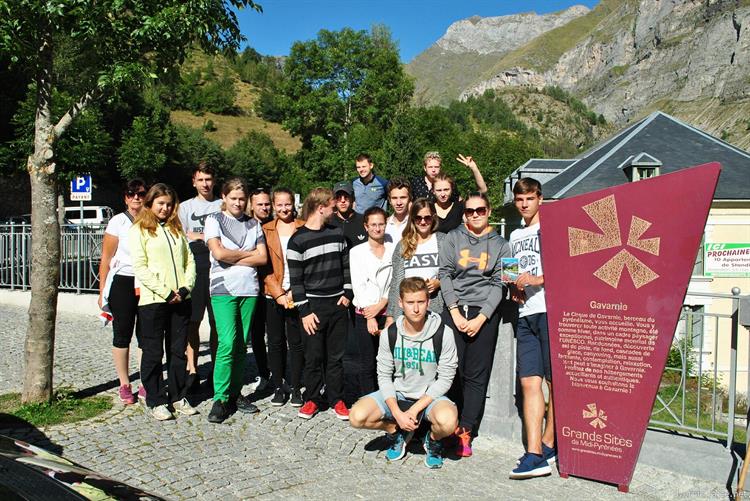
(726, 260)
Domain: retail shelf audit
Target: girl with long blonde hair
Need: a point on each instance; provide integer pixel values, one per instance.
(416, 255)
(165, 271)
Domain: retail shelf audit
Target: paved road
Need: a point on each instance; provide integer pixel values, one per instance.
(275, 455)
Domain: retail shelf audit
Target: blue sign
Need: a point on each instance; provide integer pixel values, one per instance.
(81, 184)
(80, 188)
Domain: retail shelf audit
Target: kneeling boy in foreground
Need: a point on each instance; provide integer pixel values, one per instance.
(417, 361)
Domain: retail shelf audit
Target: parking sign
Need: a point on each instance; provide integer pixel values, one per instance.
(80, 188)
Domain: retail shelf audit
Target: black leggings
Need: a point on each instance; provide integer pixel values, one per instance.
(123, 303)
(368, 352)
(284, 330)
(258, 338)
(475, 357)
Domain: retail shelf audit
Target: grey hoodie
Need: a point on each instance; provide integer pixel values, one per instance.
(470, 270)
(414, 370)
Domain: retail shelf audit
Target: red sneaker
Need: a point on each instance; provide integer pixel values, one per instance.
(339, 408)
(463, 445)
(308, 410)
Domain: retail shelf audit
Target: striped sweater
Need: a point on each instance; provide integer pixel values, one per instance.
(318, 265)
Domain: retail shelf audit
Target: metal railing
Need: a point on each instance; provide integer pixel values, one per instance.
(698, 393)
(80, 254)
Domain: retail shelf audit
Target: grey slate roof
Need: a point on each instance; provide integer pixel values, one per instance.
(672, 142)
(541, 169)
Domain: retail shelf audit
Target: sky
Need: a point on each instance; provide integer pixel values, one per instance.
(414, 24)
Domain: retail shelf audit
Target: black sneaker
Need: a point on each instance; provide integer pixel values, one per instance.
(279, 397)
(245, 406)
(296, 400)
(219, 412)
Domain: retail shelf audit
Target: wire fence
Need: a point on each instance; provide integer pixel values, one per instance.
(80, 255)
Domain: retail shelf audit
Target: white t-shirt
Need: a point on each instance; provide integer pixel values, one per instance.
(118, 227)
(525, 244)
(245, 234)
(371, 275)
(424, 262)
(193, 214)
(395, 231)
(284, 239)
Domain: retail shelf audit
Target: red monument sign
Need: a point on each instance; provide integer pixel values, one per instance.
(617, 264)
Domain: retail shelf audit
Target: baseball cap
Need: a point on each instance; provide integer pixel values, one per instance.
(345, 186)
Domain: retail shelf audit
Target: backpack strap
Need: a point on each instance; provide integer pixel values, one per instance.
(437, 339)
(128, 215)
(392, 334)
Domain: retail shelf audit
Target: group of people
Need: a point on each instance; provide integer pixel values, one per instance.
(420, 291)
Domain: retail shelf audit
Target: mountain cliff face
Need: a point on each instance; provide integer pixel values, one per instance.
(477, 42)
(627, 58)
(499, 34)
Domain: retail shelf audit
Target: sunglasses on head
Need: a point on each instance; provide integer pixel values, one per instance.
(480, 211)
(423, 219)
(133, 194)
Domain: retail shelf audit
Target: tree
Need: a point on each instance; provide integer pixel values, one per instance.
(110, 43)
(255, 158)
(338, 81)
(144, 147)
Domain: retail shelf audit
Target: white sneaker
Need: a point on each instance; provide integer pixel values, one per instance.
(261, 384)
(161, 413)
(184, 407)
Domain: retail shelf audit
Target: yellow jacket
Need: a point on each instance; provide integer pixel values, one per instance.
(162, 263)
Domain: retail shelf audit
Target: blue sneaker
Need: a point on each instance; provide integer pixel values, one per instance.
(398, 448)
(434, 452)
(532, 465)
(549, 453)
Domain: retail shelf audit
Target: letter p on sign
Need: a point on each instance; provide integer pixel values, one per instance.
(80, 188)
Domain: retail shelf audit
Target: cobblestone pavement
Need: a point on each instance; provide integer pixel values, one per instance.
(274, 454)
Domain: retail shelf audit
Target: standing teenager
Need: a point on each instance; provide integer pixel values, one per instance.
(260, 209)
(471, 280)
(117, 292)
(422, 186)
(416, 255)
(370, 265)
(282, 317)
(164, 267)
(369, 188)
(192, 214)
(532, 337)
(450, 210)
(399, 196)
(237, 247)
(321, 289)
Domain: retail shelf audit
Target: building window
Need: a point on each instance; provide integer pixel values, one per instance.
(640, 166)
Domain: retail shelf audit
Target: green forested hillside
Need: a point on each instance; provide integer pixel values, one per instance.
(298, 122)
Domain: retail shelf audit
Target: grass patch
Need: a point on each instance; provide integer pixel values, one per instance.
(440, 76)
(618, 71)
(227, 129)
(698, 411)
(65, 407)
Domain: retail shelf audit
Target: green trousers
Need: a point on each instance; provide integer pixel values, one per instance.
(233, 316)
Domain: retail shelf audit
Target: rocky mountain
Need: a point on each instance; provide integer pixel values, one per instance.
(626, 58)
(477, 42)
